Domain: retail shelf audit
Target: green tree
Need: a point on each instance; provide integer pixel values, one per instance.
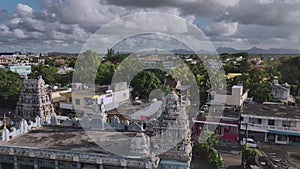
(246, 66)
(230, 67)
(182, 73)
(289, 70)
(105, 73)
(110, 53)
(144, 82)
(10, 86)
(49, 74)
(207, 149)
(261, 85)
(64, 79)
(86, 67)
(244, 79)
(248, 155)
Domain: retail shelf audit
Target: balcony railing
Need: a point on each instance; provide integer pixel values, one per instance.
(252, 126)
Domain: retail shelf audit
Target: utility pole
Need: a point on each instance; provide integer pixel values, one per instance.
(4, 121)
(246, 132)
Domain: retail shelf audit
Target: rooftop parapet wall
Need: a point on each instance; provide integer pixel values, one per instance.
(93, 158)
(25, 127)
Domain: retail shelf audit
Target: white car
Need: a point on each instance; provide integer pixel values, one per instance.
(249, 141)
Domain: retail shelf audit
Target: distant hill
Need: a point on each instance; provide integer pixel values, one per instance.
(256, 50)
(61, 54)
(181, 51)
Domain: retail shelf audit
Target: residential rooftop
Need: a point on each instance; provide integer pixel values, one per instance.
(227, 91)
(272, 110)
(67, 139)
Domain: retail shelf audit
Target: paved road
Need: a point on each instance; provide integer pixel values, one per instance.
(200, 163)
(231, 153)
(232, 161)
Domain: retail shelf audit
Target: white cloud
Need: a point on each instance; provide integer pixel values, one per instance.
(23, 9)
(90, 13)
(231, 22)
(264, 2)
(19, 33)
(222, 28)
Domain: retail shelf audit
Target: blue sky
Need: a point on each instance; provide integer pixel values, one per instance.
(9, 5)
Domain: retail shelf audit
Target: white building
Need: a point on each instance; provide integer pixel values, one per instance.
(65, 70)
(281, 91)
(232, 97)
(111, 96)
(271, 123)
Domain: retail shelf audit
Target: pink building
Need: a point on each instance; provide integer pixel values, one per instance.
(225, 124)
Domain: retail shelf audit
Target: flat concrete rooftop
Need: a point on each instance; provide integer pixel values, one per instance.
(71, 139)
(270, 110)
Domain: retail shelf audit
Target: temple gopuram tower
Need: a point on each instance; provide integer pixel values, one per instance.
(34, 100)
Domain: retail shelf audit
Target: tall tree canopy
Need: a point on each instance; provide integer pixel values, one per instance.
(144, 82)
(10, 86)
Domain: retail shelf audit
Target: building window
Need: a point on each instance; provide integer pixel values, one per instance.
(288, 123)
(234, 130)
(77, 101)
(254, 121)
(212, 97)
(271, 122)
(276, 92)
(282, 138)
(281, 93)
(259, 121)
(226, 130)
(87, 101)
(293, 124)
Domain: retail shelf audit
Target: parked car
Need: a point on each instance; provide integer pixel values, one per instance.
(249, 141)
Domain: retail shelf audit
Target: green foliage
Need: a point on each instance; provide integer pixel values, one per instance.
(110, 53)
(71, 62)
(105, 73)
(261, 85)
(212, 139)
(127, 68)
(245, 65)
(224, 56)
(165, 89)
(290, 70)
(87, 65)
(73, 115)
(49, 61)
(206, 149)
(259, 81)
(49, 74)
(230, 67)
(244, 54)
(10, 86)
(215, 159)
(249, 154)
(64, 79)
(144, 82)
(182, 73)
